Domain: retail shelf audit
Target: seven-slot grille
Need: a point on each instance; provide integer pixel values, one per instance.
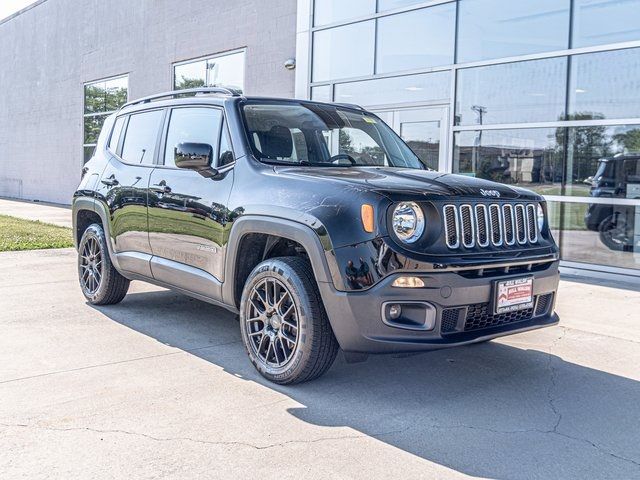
(496, 224)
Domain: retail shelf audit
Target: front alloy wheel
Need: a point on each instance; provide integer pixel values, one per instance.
(283, 322)
(272, 323)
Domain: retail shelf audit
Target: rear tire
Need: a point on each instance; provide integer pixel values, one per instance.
(100, 282)
(284, 325)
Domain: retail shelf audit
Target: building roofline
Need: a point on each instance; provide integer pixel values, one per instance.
(21, 11)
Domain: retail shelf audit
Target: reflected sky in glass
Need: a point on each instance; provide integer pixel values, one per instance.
(502, 28)
(605, 85)
(431, 32)
(413, 88)
(531, 91)
(330, 11)
(598, 22)
(343, 51)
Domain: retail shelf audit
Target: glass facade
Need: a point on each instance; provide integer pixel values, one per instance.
(101, 98)
(540, 94)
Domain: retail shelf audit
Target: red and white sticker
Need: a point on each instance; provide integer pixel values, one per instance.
(513, 295)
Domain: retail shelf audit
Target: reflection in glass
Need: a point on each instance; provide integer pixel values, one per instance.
(190, 75)
(504, 28)
(88, 152)
(343, 52)
(95, 98)
(115, 93)
(391, 4)
(224, 71)
(321, 93)
(605, 234)
(424, 139)
(602, 160)
(141, 137)
(598, 22)
(414, 88)
(105, 95)
(530, 158)
(92, 126)
(193, 125)
(432, 32)
(606, 84)
(330, 11)
(531, 91)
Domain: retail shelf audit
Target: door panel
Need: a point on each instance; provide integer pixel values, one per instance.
(424, 130)
(124, 190)
(187, 218)
(188, 212)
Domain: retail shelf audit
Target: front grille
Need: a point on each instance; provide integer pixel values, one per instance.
(481, 225)
(480, 315)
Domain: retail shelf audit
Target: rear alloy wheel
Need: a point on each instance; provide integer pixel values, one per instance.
(101, 283)
(284, 326)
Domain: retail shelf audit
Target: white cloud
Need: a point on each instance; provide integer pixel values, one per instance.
(8, 7)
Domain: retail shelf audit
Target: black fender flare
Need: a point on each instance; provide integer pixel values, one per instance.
(93, 205)
(322, 260)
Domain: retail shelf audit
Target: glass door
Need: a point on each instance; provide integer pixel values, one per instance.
(424, 130)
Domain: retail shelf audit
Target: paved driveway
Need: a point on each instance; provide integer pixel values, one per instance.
(159, 387)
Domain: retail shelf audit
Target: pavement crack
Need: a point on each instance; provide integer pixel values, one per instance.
(201, 441)
(107, 364)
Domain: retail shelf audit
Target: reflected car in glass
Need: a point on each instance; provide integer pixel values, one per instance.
(315, 223)
(616, 177)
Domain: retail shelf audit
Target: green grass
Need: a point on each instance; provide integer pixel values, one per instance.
(19, 234)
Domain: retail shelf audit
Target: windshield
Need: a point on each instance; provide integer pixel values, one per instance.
(323, 135)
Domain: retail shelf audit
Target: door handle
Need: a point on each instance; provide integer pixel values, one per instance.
(110, 181)
(161, 187)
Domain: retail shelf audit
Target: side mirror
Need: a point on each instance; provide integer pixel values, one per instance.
(195, 156)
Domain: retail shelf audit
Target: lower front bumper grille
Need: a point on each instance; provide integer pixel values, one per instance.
(480, 316)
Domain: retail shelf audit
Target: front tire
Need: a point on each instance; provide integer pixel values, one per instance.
(100, 282)
(284, 326)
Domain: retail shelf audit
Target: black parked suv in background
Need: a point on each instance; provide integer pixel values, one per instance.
(314, 222)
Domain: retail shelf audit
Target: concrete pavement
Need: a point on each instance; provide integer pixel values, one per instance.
(45, 212)
(159, 386)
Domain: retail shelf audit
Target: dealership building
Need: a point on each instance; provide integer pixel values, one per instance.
(543, 94)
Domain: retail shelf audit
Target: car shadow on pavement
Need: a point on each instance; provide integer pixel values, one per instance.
(487, 410)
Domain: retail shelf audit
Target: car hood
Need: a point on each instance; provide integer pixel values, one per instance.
(390, 182)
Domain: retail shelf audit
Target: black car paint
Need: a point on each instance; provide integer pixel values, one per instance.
(325, 200)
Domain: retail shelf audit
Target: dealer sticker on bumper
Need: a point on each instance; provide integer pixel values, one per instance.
(513, 295)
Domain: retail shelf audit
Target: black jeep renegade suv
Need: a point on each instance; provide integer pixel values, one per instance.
(314, 222)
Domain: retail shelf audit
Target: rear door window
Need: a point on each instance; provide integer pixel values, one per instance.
(141, 137)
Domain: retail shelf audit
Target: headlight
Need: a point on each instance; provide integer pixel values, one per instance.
(408, 221)
(540, 218)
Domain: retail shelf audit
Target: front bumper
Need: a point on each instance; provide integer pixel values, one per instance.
(463, 311)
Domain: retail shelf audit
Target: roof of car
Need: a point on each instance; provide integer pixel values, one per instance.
(214, 95)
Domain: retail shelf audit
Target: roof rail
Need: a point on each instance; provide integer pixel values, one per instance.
(186, 91)
(349, 105)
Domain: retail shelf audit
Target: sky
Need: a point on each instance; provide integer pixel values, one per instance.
(7, 7)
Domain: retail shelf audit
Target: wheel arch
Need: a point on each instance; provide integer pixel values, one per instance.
(92, 208)
(323, 269)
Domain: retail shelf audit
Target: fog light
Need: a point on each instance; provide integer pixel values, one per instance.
(395, 311)
(408, 282)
